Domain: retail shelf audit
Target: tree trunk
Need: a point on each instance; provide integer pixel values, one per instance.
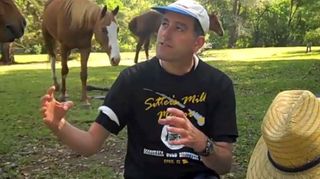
(233, 31)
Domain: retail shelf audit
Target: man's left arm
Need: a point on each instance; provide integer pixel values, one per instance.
(220, 160)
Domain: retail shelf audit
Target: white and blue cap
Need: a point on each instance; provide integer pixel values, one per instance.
(189, 8)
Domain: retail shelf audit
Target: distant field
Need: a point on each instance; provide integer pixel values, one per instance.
(29, 150)
(249, 54)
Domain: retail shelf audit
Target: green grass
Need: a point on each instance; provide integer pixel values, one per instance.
(28, 149)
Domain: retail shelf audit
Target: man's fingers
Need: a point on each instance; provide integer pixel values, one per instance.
(176, 112)
(42, 111)
(44, 99)
(48, 97)
(51, 90)
(172, 121)
(68, 105)
(176, 117)
(182, 132)
(181, 141)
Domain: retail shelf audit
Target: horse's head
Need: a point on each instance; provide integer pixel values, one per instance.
(12, 23)
(215, 24)
(106, 33)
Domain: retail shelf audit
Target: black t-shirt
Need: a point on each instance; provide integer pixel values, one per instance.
(140, 96)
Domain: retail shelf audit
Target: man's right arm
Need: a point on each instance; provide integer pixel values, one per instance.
(84, 142)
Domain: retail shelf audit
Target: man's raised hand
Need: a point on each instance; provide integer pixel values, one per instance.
(53, 112)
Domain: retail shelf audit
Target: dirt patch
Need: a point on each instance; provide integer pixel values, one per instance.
(39, 160)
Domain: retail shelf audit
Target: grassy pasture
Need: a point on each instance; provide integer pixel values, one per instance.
(29, 150)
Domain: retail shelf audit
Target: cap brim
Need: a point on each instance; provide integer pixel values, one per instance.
(260, 166)
(164, 9)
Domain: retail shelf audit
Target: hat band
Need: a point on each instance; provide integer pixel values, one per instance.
(304, 167)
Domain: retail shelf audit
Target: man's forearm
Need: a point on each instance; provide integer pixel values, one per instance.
(221, 159)
(84, 142)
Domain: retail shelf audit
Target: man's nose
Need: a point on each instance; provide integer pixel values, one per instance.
(166, 32)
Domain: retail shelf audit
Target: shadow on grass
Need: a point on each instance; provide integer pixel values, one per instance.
(22, 131)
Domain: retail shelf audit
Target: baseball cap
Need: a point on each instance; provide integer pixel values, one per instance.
(188, 8)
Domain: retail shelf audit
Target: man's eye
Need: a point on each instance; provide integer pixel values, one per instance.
(164, 23)
(180, 28)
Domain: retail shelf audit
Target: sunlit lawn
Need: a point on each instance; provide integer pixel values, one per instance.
(258, 74)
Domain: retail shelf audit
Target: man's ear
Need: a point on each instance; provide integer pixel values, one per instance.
(198, 43)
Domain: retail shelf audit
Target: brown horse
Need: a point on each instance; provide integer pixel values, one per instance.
(144, 26)
(72, 23)
(12, 23)
(148, 23)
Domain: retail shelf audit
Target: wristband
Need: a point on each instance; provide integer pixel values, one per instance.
(208, 150)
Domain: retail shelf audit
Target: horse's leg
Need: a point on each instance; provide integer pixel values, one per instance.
(6, 53)
(51, 45)
(11, 50)
(65, 52)
(138, 48)
(84, 74)
(146, 46)
(2, 55)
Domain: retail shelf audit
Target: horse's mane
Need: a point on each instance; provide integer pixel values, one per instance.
(81, 12)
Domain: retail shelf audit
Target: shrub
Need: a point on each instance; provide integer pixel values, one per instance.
(313, 36)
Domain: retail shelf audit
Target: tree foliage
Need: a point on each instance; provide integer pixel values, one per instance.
(281, 22)
(247, 23)
(32, 40)
(313, 36)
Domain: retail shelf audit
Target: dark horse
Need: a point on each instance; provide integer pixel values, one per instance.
(148, 23)
(72, 23)
(12, 25)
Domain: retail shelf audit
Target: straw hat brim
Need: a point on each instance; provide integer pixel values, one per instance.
(260, 167)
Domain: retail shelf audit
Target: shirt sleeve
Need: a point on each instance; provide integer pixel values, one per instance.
(223, 113)
(115, 110)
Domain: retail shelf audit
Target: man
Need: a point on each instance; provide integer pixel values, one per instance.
(179, 111)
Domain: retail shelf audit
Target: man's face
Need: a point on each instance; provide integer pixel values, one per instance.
(176, 39)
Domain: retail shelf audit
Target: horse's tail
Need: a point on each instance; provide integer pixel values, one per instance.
(133, 25)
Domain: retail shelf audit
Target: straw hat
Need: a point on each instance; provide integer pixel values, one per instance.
(290, 144)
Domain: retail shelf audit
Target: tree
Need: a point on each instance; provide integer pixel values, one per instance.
(32, 40)
(313, 36)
